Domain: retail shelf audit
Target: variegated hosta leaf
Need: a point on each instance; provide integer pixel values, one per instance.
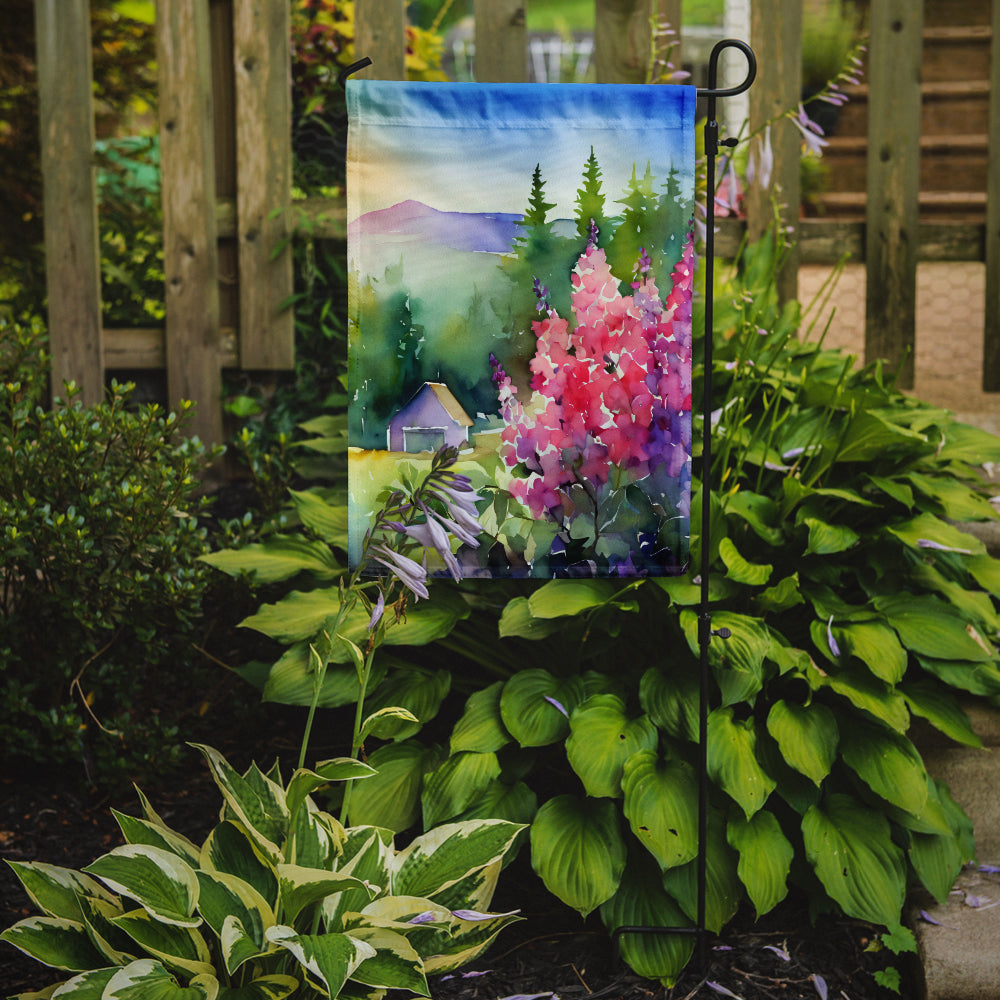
(642, 902)
(441, 857)
(116, 947)
(304, 782)
(315, 838)
(225, 897)
(86, 986)
(328, 959)
(456, 784)
(481, 727)
(807, 736)
(256, 801)
(467, 940)
(888, 763)
(535, 706)
(391, 799)
(177, 947)
(367, 854)
(301, 887)
(147, 979)
(141, 831)
(765, 858)
(476, 890)
(661, 799)
(55, 941)
(395, 964)
(158, 880)
(274, 987)
(732, 760)
(56, 891)
(850, 847)
(230, 849)
(578, 851)
(602, 737)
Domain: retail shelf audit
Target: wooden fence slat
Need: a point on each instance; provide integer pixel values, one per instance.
(892, 215)
(380, 34)
(72, 256)
(991, 332)
(501, 41)
(262, 61)
(190, 253)
(776, 36)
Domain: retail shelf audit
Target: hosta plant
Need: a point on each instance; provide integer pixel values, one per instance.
(279, 900)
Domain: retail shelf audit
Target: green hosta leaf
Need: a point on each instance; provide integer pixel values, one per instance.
(98, 916)
(928, 528)
(560, 598)
(441, 857)
(517, 620)
(661, 798)
(732, 760)
(291, 680)
(671, 700)
(850, 847)
(758, 511)
(387, 723)
(304, 782)
(783, 595)
(893, 488)
(975, 605)
(578, 851)
(888, 763)
(417, 690)
(391, 798)
(866, 692)
(937, 859)
(367, 853)
(456, 784)
(160, 882)
(965, 443)
(330, 959)
(516, 803)
(301, 887)
(54, 941)
(931, 628)
(738, 661)
(828, 539)
(231, 850)
(985, 569)
(765, 858)
(481, 728)
(535, 706)
(274, 987)
(141, 831)
(738, 569)
(602, 738)
(957, 501)
(876, 646)
(239, 944)
(147, 979)
(327, 520)
(870, 436)
(641, 901)
(260, 809)
(56, 891)
(941, 709)
(807, 736)
(395, 964)
(226, 898)
(723, 889)
(86, 986)
(279, 558)
(180, 948)
(976, 678)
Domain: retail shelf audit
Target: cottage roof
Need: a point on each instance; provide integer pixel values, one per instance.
(445, 397)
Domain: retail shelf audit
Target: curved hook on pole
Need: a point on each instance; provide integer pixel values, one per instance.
(712, 90)
(353, 68)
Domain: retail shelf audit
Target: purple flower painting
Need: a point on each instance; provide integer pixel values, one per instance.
(521, 270)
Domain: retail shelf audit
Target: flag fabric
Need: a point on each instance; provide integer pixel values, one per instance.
(521, 264)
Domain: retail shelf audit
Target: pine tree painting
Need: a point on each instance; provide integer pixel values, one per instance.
(524, 253)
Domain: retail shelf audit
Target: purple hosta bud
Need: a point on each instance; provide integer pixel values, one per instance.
(557, 704)
(927, 543)
(542, 294)
(820, 985)
(831, 642)
(760, 165)
(377, 611)
(432, 535)
(475, 915)
(411, 574)
(719, 988)
(427, 917)
(780, 952)
(460, 526)
(811, 132)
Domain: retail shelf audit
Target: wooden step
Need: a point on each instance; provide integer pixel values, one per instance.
(958, 206)
(956, 53)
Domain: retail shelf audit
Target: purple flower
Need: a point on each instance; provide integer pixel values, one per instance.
(475, 915)
(427, 917)
(432, 535)
(558, 705)
(542, 294)
(719, 988)
(761, 163)
(927, 543)
(820, 983)
(834, 648)
(410, 573)
(377, 611)
(811, 132)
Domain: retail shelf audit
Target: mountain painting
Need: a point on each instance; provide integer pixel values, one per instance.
(521, 265)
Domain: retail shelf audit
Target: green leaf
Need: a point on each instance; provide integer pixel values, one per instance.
(661, 798)
(301, 887)
(417, 690)
(888, 763)
(738, 661)
(671, 700)
(866, 692)
(876, 646)
(141, 831)
(327, 520)
(56, 891)
(601, 739)
(54, 941)
(927, 527)
(640, 901)
(732, 760)
(976, 678)
(225, 897)
(292, 680)
(230, 849)
(516, 620)
(395, 964)
(577, 850)
(807, 736)
(561, 598)
(765, 858)
(147, 979)
(304, 782)
(738, 569)
(937, 859)
(956, 500)
(330, 959)
(391, 798)
(965, 443)
(527, 706)
(870, 436)
(274, 987)
(456, 784)
(86, 986)
(931, 628)
(850, 848)
(481, 727)
(941, 709)
(387, 722)
(516, 803)
(164, 885)
(181, 948)
(758, 511)
(281, 557)
(828, 539)
(783, 595)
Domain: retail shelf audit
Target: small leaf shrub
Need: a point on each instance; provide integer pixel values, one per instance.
(279, 899)
(854, 604)
(100, 584)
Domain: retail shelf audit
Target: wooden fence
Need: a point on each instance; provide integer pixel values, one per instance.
(226, 161)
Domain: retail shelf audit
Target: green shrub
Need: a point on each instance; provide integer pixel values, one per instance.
(99, 541)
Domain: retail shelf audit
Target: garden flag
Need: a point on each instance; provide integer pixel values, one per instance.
(521, 261)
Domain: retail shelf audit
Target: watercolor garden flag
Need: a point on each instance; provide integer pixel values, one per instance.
(520, 286)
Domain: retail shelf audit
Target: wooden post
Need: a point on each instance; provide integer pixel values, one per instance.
(501, 41)
(380, 34)
(622, 40)
(893, 183)
(72, 256)
(190, 254)
(262, 61)
(776, 34)
(991, 333)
